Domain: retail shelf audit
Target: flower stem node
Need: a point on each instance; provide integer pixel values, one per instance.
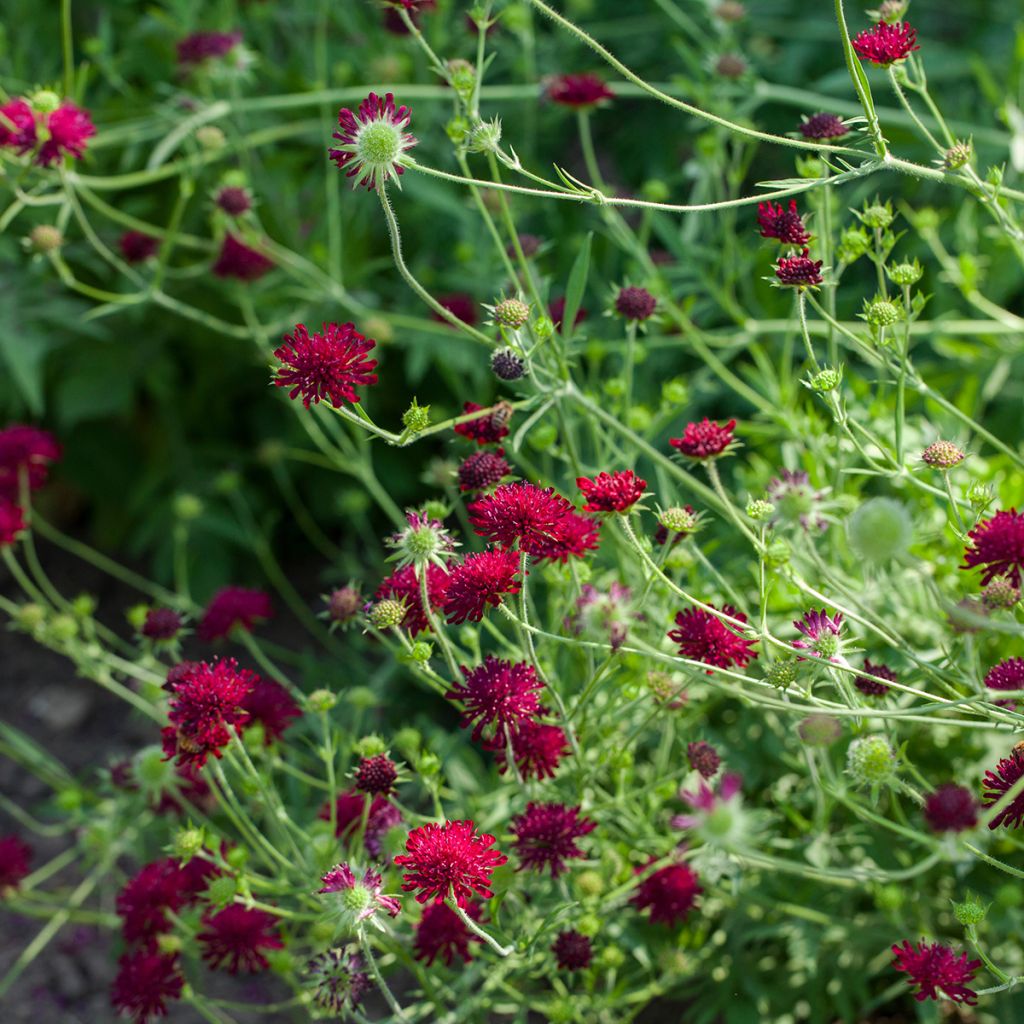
(871, 762)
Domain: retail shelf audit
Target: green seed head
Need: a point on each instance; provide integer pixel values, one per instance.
(378, 144)
(679, 520)
(416, 418)
(826, 380)
(759, 510)
(187, 843)
(210, 137)
(781, 673)
(870, 761)
(906, 273)
(45, 238)
(943, 455)
(882, 313)
(878, 216)
(880, 530)
(512, 313)
(321, 701)
(387, 614)
(45, 101)
(957, 156)
(971, 912)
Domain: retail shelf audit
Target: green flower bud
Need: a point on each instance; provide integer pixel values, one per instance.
(45, 238)
(906, 273)
(890, 897)
(825, 380)
(362, 698)
(980, 496)
(83, 606)
(457, 129)
(854, 242)
(210, 137)
(590, 882)
(590, 925)
(167, 942)
(958, 155)
(611, 957)
(428, 764)
(221, 891)
(462, 76)
(421, 652)
(880, 530)
(655, 191)
(871, 761)
(321, 701)
(187, 843)
(781, 673)
(408, 741)
(30, 617)
(878, 216)
(187, 507)
(63, 628)
(416, 418)
(237, 857)
(45, 101)
(882, 313)
(484, 136)
(370, 746)
(778, 553)
(679, 519)
(971, 912)
(675, 391)
(943, 455)
(387, 614)
(759, 510)
(511, 313)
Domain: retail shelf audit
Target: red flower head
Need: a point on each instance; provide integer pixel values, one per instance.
(146, 982)
(635, 304)
(572, 951)
(373, 141)
(482, 470)
(537, 749)
(869, 686)
(998, 544)
(137, 247)
(487, 429)
(17, 126)
(204, 705)
(823, 635)
(480, 580)
(670, 893)
(885, 44)
(161, 624)
(951, 808)
(238, 260)
(381, 818)
(442, 933)
(12, 521)
(231, 607)
(26, 450)
(611, 492)
(546, 836)
(69, 128)
(341, 879)
(403, 585)
(1007, 675)
(823, 127)
(705, 440)
(997, 782)
(271, 705)
(520, 513)
(932, 967)
(15, 858)
(235, 937)
(703, 758)
(145, 899)
(449, 859)
(502, 694)
(234, 200)
(783, 224)
(460, 305)
(704, 637)
(578, 91)
(799, 271)
(556, 310)
(376, 774)
(573, 537)
(200, 46)
(330, 365)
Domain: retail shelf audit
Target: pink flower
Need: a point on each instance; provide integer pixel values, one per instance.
(932, 968)
(480, 580)
(497, 696)
(366, 896)
(520, 513)
(670, 893)
(487, 429)
(997, 543)
(823, 635)
(372, 142)
(27, 450)
(241, 261)
(235, 938)
(704, 440)
(329, 365)
(885, 44)
(270, 704)
(536, 748)
(785, 225)
(611, 492)
(998, 782)
(546, 836)
(441, 932)
(69, 129)
(704, 801)
(404, 585)
(704, 637)
(146, 982)
(578, 91)
(799, 271)
(231, 607)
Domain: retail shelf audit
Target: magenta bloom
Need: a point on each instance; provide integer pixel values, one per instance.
(143, 902)
(572, 951)
(329, 365)
(785, 225)
(823, 127)
(932, 967)
(69, 128)
(704, 440)
(886, 44)
(480, 580)
(635, 304)
(15, 858)
(235, 938)
(670, 893)
(572, 537)
(482, 470)
(373, 141)
(497, 696)
(520, 513)
(12, 521)
(381, 818)
(403, 585)
(146, 982)
(460, 305)
(537, 749)
(340, 879)
(546, 836)
(611, 492)
(17, 126)
(205, 705)
(441, 932)
(703, 758)
(605, 610)
(792, 493)
(704, 637)
(487, 429)
(1007, 675)
(240, 261)
(951, 808)
(578, 91)
(270, 704)
(799, 271)
(997, 782)
(823, 635)
(704, 801)
(870, 687)
(449, 860)
(200, 46)
(231, 607)
(161, 624)
(137, 246)
(556, 310)
(997, 544)
(25, 449)
(234, 200)
(376, 775)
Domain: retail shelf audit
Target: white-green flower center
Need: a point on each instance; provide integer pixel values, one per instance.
(379, 143)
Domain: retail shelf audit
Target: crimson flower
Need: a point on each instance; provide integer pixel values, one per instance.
(441, 932)
(556, 310)
(270, 704)
(487, 429)
(143, 902)
(704, 440)
(449, 860)
(932, 967)
(69, 128)
(234, 200)
(204, 705)
(824, 127)
(704, 637)
(578, 91)
(241, 261)
(460, 304)
(17, 126)
(15, 858)
(482, 470)
(997, 543)
(137, 246)
(376, 775)
(372, 142)
(869, 686)
(341, 879)
(480, 580)
(234, 938)
(786, 225)
(951, 808)
(330, 365)
(231, 607)
(823, 635)
(145, 983)
(997, 782)
(546, 836)
(536, 748)
(200, 46)
(885, 43)
(573, 536)
(348, 813)
(635, 304)
(1007, 675)
(520, 513)
(499, 694)
(25, 449)
(403, 585)
(670, 893)
(572, 951)
(12, 521)
(611, 492)
(799, 271)
(703, 758)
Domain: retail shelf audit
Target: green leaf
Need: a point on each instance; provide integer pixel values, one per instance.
(577, 286)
